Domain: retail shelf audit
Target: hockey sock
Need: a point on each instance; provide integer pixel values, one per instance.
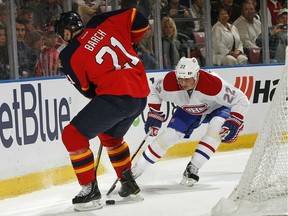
(159, 146)
(83, 164)
(205, 149)
(209, 143)
(153, 153)
(149, 156)
(120, 158)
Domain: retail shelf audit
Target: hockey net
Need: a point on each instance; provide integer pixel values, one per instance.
(263, 187)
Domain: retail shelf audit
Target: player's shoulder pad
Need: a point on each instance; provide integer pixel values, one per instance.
(170, 82)
(140, 22)
(208, 83)
(100, 18)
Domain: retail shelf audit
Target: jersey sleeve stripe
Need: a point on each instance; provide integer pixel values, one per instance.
(140, 30)
(133, 15)
(85, 88)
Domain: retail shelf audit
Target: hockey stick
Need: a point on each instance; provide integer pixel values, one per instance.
(113, 186)
(98, 158)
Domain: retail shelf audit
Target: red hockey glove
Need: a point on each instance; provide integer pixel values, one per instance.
(154, 121)
(231, 128)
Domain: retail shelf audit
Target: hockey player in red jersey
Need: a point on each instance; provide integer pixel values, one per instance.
(101, 63)
(202, 98)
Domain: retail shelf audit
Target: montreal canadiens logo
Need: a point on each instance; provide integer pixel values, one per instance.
(199, 109)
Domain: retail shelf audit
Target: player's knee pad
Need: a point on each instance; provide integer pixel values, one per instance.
(214, 127)
(159, 146)
(168, 138)
(73, 139)
(109, 141)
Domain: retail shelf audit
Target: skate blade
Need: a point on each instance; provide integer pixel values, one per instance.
(188, 182)
(92, 205)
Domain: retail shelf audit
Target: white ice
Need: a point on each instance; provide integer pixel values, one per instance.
(163, 195)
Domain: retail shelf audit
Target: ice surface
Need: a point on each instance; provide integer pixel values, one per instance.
(160, 187)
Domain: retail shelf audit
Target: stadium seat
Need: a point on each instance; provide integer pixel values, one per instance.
(199, 38)
(253, 54)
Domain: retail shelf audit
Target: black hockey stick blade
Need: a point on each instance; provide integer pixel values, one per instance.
(113, 186)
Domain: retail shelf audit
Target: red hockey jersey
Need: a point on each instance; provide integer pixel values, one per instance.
(102, 58)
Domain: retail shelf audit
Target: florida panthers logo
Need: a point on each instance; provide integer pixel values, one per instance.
(196, 110)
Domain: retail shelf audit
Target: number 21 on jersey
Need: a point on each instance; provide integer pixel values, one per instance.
(108, 50)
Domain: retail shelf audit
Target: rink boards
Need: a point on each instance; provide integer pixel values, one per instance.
(34, 112)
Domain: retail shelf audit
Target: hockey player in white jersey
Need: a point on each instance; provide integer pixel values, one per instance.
(202, 97)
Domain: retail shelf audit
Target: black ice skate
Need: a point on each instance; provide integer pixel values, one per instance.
(88, 198)
(128, 184)
(190, 176)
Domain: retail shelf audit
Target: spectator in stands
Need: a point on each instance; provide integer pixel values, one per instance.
(197, 12)
(170, 44)
(3, 14)
(174, 10)
(163, 3)
(26, 14)
(233, 10)
(248, 26)
(26, 60)
(45, 14)
(145, 49)
(86, 12)
(145, 6)
(35, 42)
(4, 58)
(254, 2)
(48, 61)
(273, 7)
(226, 43)
(277, 38)
(74, 4)
(89, 2)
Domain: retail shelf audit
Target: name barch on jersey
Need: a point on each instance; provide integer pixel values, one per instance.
(94, 40)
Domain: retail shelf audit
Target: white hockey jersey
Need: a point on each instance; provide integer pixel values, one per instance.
(211, 92)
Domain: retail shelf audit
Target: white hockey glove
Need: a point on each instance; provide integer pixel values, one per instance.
(231, 128)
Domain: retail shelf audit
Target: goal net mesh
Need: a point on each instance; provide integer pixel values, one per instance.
(263, 187)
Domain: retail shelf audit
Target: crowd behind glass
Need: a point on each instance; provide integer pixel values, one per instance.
(235, 32)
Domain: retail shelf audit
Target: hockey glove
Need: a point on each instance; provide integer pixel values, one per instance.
(231, 128)
(154, 121)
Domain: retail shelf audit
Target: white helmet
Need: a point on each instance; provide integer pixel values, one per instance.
(187, 68)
